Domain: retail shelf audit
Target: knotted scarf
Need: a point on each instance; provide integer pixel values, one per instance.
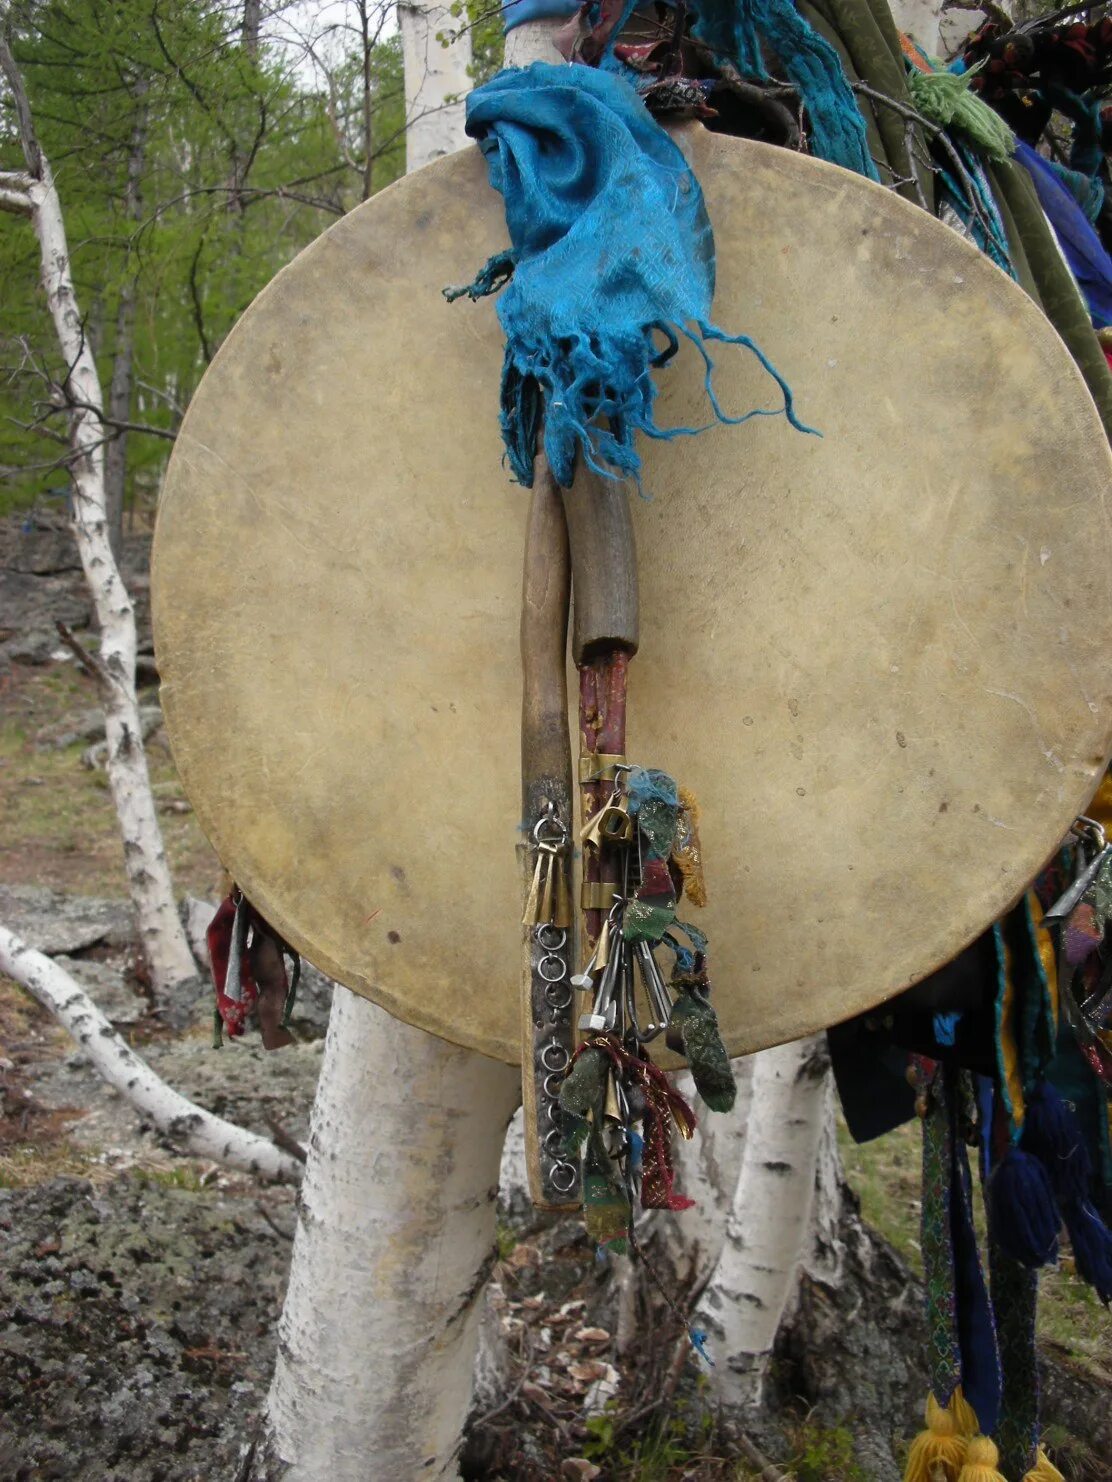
(612, 263)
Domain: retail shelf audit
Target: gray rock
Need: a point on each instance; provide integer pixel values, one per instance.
(43, 550)
(34, 648)
(40, 601)
(53, 922)
(168, 1391)
(108, 989)
(84, 725)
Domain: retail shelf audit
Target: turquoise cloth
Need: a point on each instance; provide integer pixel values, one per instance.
(517, 12)
(735, 29)
(612, 263)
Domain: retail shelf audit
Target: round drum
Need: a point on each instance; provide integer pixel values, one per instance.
(879, 657)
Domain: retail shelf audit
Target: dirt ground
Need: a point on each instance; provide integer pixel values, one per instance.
(140, 1290)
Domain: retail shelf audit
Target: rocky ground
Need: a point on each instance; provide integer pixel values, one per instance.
(140, 1290)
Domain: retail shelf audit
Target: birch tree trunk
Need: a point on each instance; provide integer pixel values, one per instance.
(436, 79)
(395, 1231)
(769, 1230)
(160, 930)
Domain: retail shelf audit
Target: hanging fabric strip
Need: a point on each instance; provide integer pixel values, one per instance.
(735, 29)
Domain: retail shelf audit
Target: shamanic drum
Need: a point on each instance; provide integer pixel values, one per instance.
(878, 657)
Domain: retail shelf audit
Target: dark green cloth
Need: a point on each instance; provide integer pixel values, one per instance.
(1057, 292)
(867, 38)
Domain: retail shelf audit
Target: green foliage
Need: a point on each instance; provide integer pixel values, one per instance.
(653, 1452)
(823, 1454)
(505, 1241)
(190, 169)
(182, 1176)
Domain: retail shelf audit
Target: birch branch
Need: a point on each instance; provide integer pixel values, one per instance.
(16, 202)
(188, 1126)
(145, 861)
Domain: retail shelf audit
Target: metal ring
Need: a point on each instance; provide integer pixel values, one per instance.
(551, 938)
(562, 1177)
(563, 1058)
(549, 976)
(563, 990)
(553, 1142)
(550, 1090)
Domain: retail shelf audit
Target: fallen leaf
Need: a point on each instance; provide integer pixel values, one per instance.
(579, 1467)
(588, 1370)
(591, 1335)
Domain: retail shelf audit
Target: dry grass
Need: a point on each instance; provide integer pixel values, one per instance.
(60, 828)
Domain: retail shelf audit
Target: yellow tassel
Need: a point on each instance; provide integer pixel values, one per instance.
(1044, 1470)
(980, 1462)
(937, 1453)
(965, 1417)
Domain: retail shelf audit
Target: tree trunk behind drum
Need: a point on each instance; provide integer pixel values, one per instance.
(766, 1237)
(160, 930)
(436, 79)
(395, 1231)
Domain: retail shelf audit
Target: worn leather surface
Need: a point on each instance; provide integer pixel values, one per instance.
(879, 657)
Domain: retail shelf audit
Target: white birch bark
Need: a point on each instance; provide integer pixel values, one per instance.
(707, 1170)
(769, 1233)
(939, 31)
(396, 1224)
(187, 1125)
(148, 873)
(436, 79)
(919, 19)
(532, 42)
(394, 1239)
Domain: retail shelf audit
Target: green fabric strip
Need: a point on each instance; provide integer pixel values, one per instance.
(1057, 291)
(1015, 1292)
(868, 37)
(936, 1243)
(1016, 250)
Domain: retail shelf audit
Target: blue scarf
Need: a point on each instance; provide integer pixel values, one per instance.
(612, 263)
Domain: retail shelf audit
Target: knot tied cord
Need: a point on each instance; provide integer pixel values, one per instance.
(611, 264)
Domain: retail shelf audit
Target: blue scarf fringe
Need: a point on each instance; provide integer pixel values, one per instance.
(612, 263)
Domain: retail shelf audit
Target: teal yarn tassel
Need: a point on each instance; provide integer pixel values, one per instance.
(734, 29)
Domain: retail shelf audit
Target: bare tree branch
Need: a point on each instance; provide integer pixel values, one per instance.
(31, 151)
(16, 203)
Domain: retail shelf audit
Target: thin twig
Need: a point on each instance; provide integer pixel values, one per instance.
(765, 1468)
(277, 1228)
(285, 1140)
(92, 665)
(938, 133)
